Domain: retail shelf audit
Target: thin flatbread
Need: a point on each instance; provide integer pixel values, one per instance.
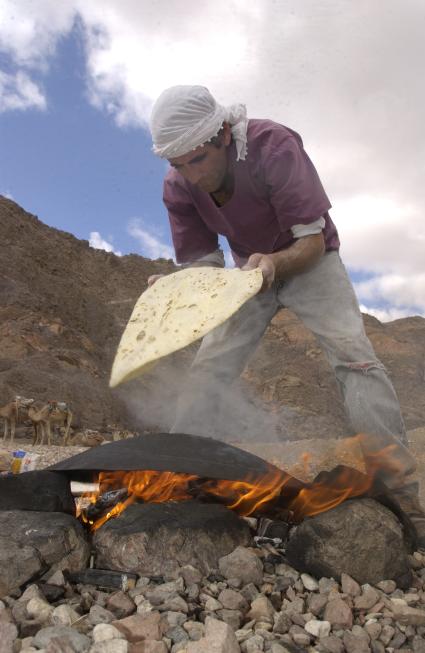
(177, 310)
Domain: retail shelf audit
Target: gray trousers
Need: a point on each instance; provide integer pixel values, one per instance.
(323, 298)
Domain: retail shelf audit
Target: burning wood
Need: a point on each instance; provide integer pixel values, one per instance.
(103, 504)
(270, 495)
(185, 467)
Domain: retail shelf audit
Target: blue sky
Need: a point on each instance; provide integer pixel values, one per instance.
(74, 167)
(77, 81)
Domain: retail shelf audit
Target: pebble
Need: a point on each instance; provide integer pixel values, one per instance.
(318, 628)
(309, 583)
(249, 607)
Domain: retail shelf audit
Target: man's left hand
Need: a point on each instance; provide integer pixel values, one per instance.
(267, 267)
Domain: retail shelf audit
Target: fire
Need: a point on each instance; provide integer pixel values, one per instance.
(245, 497)
(275, 492)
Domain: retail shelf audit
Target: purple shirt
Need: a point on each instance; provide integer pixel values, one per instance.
(275, 188)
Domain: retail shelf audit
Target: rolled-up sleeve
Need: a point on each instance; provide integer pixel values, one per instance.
(294, 187)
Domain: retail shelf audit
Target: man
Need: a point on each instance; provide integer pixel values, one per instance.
(252, 182)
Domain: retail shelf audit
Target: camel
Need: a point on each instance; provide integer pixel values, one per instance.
(43, 415)
(10, 414)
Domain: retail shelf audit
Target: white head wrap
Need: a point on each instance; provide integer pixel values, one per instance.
(185, 117)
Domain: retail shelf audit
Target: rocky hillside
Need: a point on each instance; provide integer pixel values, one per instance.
(63, 306)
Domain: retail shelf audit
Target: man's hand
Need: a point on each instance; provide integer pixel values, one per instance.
(286, 263)
(154, 278)
(266, 264)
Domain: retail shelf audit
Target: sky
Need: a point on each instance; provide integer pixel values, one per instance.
(78, 80)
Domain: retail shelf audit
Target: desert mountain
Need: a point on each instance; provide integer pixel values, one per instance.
(64, 305)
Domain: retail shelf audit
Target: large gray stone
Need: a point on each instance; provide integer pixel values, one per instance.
(360, 538)
(158, 539)
(33, 542)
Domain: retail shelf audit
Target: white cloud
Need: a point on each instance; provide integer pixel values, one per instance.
(150, 245)
(386, 314)
(29, 31)
(18, 91)
(401, 291)
(97, 242)
(8, 195)
(345, 74)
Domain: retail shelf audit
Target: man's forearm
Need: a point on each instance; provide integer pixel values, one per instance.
(300, 256)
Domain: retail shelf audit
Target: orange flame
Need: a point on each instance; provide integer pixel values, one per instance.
(249, 496)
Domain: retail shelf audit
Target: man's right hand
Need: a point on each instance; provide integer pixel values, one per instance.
(154, 278)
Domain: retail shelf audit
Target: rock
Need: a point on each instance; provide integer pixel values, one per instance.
(212, 604)
(177, 604)
(309, 583)
(282, 623)
(316, 603)
(194, 629)
(398, 640)
(350, 586)
(249, 592)
(328, 585)
(373, 630)
(52, 593)
(175, 618)
(418, 644)
(387, 586)
(177, 634)
(64, 615)
(386, 635)
(299, 636)
(253, 644)
(164, 592)
(110, 646)
(161, 538)
(39, 609)
(219, 638)
(231, 617)
(57, 578)
(103, 632)
(232, 600)
(68, 636)
(17, 565)
(99, 615)
(338, 613)
(356, 642)
(120, 604)
(360, 538)
(318, 628)
(242, 563)
(8, 635)
(31, 592)
(261, 608)
(54, 540)
(377, 647)
(409, 616)
(149, 646)
(190, 574)
(368, 598)
(332, 644)
(283, 569)
(141, 626)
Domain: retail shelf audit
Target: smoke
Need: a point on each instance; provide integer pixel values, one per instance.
(169, 401)
(171, 398)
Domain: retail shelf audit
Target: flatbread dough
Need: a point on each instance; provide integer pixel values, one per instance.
(177, 310)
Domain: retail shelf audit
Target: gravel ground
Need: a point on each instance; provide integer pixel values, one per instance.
(253, 602)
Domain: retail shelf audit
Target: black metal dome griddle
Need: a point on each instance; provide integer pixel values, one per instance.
(172, 452)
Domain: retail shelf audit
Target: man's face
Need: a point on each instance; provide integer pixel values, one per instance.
(206, 166)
